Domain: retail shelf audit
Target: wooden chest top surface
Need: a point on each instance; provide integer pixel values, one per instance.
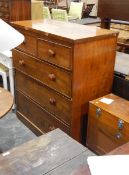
(119, 106)
(53, 153)
(67, 30)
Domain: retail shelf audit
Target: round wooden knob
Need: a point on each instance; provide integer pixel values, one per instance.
(51, 53)
(21, 62)
(52, 77)
(52, 128)
(52, 101)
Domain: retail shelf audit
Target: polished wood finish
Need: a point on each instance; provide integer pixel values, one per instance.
(46, 122)
(15, 10)
(54, 153)
(6, 102)
(66, 68)
(104, 130)
(50, 100)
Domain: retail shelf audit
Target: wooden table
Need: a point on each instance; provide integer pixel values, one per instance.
(54, 153)
(6, 102)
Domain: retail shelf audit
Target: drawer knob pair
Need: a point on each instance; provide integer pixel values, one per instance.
(21, 62)
(51, 53)
(52, 77)
(52, 101)
(120, 124)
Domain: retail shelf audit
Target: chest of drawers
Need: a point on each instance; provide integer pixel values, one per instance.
(108, 123)
(15, 10)
(58, 70)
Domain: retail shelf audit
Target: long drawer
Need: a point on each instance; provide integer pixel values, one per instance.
(55, 53)
(47, 98)
(55, 78)
(36, 115)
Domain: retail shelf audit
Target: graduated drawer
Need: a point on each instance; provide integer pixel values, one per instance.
(47, 98)
(49, 75)
(55, 53)
(36, 116)
(29, 45)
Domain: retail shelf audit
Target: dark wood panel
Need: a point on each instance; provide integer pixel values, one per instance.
(20, 10)
(114, 9)
(50, 100)
(37, 115)
(15, 10)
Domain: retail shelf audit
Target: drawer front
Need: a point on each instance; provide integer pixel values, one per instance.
(48, 99)
(29, 45)
(104, 131)
(58, 54)
(36, 115)
(49, 75)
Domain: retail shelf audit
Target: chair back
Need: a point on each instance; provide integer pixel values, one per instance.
(46, 13)
(36, 10)
(75, 10)
(59, 14)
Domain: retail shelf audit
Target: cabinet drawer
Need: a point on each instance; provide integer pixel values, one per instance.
(29, 45)
(47, 98)
(55, 53)
(104, 130)
(36, 115)
(49, 75)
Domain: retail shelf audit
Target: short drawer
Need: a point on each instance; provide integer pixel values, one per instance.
(37, 116)
(29, 45)
(55, 53)
(47, 98)
(49, 75)
(105, 131)
(110, 124)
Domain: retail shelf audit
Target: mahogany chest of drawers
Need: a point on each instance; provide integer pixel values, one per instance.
(59, 68)
(15, 10)
(108, 123)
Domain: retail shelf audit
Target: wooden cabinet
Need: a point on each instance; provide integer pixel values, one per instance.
(58, 70)
(108, 123)
(15, 10)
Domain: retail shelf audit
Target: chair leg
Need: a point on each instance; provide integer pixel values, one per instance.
(11, 81)
(4, 76)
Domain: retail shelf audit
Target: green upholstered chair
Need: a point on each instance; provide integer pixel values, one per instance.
(75, 11)
(59, 14)
(46, 13)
